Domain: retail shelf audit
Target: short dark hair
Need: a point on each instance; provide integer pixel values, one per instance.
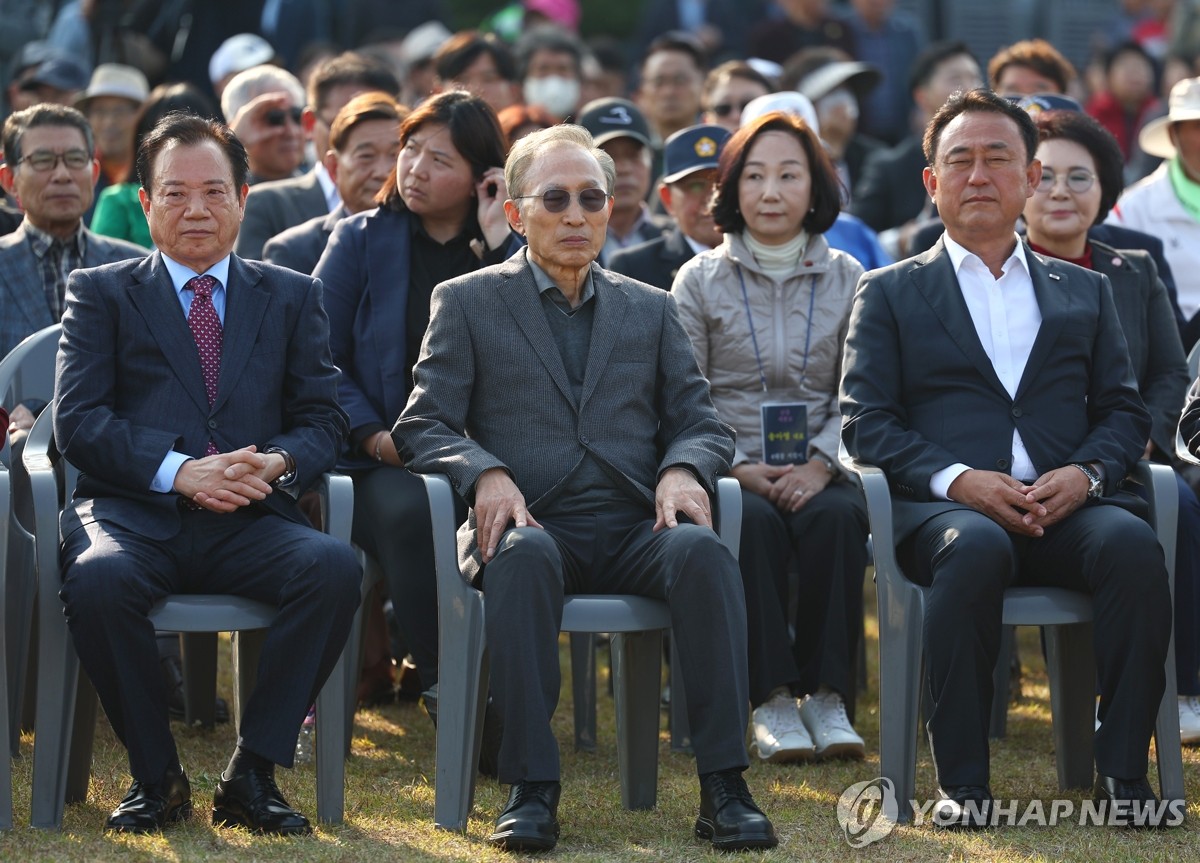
(1087, 132)
(547, 38)
(465, 47)
(926, 65)
(1036, 54)
(474, 131)
(824, 197)
(352, 68)
(188, 130)
(733, 69)
(168, 98)
(43, 114)
(679, 41)
(371, 105)
(981, 100)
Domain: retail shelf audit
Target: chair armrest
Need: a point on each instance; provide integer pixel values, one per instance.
(1163, 496)
(727, 514)
(41, 459)
(450, 582)
(878, 495)
(337, 504)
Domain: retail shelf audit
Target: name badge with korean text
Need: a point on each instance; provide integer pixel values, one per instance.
(784, 433)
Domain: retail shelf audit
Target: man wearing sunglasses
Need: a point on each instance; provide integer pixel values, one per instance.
(565, 404)
(264, 106)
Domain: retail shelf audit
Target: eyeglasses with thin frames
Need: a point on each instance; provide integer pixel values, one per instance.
(1078, 180)
(557, 200)
(42, 161)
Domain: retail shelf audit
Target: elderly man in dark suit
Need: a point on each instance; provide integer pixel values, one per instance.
(363, 143)
(995, 390)
(276, 205)
(565, 405)
(196, 394)
(689, 174)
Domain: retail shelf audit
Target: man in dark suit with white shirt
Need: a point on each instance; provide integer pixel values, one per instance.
(995, 390)
(197, 396)
(363, 143)
(276, 205)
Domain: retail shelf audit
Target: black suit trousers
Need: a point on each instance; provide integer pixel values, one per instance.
(967, 560)
(112, 577)
(687, 566)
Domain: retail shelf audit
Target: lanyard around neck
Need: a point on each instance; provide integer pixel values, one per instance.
(812, 298)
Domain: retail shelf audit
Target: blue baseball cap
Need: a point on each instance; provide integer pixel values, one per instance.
(695, 148)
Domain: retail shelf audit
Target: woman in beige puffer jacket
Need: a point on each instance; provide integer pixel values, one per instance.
(767, 313)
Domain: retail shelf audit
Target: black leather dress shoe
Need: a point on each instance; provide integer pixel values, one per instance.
(148, 808)
(529, 821)
(1127, 802)
(251, 799)
(963, 806)
(729, 818)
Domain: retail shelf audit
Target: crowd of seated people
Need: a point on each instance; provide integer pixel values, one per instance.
(762, 164)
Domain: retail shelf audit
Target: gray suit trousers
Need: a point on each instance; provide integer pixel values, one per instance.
(614, 552)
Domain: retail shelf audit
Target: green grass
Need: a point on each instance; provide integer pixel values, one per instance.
(389, 801)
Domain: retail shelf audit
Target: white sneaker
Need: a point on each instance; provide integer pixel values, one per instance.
(824, 715)
(779, 733)
(1189, 718)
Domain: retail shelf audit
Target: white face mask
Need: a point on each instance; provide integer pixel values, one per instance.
(556, 94)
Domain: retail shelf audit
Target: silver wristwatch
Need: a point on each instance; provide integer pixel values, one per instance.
(1095, 484)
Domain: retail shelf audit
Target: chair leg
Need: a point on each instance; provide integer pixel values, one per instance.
(583, 689)
(1000, 683)
(247, 651)
(331, 738)
(901, 682)
(1167, 746)
(198, 652)
(462, 698)
(1070, 665)
(637, 676)
(681, 731)
(79, 761)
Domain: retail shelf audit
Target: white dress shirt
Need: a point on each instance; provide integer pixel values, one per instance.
(1007, 318)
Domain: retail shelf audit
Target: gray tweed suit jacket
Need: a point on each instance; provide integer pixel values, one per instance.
(23, 306)
(491, 391)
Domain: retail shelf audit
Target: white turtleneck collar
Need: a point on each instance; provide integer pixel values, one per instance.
(777, 261)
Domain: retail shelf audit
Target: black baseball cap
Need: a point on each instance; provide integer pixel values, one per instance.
(611, 118)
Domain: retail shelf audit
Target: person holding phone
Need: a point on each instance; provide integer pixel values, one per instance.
(440, 215)
(767, 312)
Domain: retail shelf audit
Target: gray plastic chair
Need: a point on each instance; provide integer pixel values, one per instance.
(5, 757)
(27, 372)
(1066, 618)
(66, 702)
(636, 622)
(1181, 450)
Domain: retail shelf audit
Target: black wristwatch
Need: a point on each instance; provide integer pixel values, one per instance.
(289, 468)
(1095, 484)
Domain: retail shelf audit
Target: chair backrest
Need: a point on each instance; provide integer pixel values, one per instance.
(27, 372)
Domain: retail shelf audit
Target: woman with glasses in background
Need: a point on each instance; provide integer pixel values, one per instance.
(1082, 177)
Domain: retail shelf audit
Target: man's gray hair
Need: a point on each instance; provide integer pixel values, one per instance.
(524, 151)
(255, 81)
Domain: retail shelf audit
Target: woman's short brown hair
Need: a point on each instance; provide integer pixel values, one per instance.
(824, 198)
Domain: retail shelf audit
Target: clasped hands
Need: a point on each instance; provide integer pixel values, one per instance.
(228, 481)
(498, 501)
(789, 486)
(1022, 509)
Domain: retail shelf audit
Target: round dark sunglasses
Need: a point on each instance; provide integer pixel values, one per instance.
(557, 200)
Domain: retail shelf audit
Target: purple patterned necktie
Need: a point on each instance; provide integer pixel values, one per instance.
(206, 330)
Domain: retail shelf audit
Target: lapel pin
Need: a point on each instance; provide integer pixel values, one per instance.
(1055, 276)
(1117, 262)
